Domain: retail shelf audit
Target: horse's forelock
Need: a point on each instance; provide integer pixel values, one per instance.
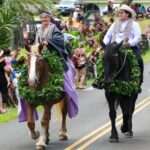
(35, 49)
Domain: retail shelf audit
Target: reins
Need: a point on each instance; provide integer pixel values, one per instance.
(125, 57)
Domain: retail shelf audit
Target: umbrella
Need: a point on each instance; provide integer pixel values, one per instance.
(68, 36)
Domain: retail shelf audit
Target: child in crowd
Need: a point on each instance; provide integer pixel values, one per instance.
(10, 60)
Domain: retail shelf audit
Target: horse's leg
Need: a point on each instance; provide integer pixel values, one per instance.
(133, 99)
(30, 122)
(63, 131)
(44, 136)
(112, 114)
(126, 106)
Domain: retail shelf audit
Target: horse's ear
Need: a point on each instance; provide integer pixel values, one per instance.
(27, 47)
(119, 45)
(102, 44)
(40, 47)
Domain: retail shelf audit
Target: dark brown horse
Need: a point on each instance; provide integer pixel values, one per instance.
(116, 66)
(38, 71)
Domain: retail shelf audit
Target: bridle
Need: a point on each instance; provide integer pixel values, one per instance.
(36, 55)
(124, 61)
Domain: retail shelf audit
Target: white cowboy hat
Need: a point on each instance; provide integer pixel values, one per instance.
(127, 8)
(1, 53)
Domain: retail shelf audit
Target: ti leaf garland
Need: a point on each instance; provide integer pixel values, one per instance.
(51, 90)
(120, 86)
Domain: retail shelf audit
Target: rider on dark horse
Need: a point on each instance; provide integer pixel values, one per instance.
(53, 40)
(127, 30)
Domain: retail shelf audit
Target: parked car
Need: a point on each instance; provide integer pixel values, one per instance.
(66, 10)
(66, 7)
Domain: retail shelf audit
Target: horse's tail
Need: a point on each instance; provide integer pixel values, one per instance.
(58, 107)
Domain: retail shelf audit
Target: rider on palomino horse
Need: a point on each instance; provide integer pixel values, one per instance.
(52, 39)
(127, 30)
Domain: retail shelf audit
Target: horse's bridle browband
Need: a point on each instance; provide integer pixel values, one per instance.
(125, 57)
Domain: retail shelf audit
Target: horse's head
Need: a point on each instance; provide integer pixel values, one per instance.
(35, 63)
(111, 61)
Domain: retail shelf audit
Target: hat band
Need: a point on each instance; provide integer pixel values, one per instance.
(44, 14)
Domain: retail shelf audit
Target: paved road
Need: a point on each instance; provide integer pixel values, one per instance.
(90, 129)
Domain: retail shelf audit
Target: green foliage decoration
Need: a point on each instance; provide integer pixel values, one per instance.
(120, 86)
(52, 90)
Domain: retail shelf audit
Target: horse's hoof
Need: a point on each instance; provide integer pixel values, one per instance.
(129, 134)
(63, 136)
(113, 139)
(47, 141)
(35, 135)
(123, 129)
(40, 147)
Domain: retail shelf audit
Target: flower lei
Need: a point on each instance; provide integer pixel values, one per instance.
(120, 86)
(51, 90)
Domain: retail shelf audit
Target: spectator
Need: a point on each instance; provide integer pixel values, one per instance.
(10, 60)
(141, 11)
(79, 59)
(134, 7)
(110, 8)
(69, 22)
(93, 60)
(147, 33)
(75, 13)
(3, 84)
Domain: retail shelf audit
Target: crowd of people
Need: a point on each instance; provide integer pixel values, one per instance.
(83, 49)
(8, 77)
(141, 11)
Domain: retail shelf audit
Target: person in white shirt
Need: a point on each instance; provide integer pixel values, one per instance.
(127, 30)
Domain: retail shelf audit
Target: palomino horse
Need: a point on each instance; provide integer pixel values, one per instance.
(117, 67)
(38, 70)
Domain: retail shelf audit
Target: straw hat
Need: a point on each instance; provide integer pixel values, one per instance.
(128, 9)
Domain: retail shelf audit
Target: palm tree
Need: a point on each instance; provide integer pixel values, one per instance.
(7, 23)
(12, 15)
(25, 10)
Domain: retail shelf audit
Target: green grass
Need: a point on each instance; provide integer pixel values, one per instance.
(12, 114)
(146, 56)
(144, 24)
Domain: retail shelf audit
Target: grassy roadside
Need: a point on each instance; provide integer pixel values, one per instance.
(12, 114)
(146, 57)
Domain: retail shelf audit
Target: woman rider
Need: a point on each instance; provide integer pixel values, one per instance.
(53, 40)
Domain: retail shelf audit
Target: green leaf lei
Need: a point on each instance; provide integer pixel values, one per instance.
(51, 90)
(120, 86)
